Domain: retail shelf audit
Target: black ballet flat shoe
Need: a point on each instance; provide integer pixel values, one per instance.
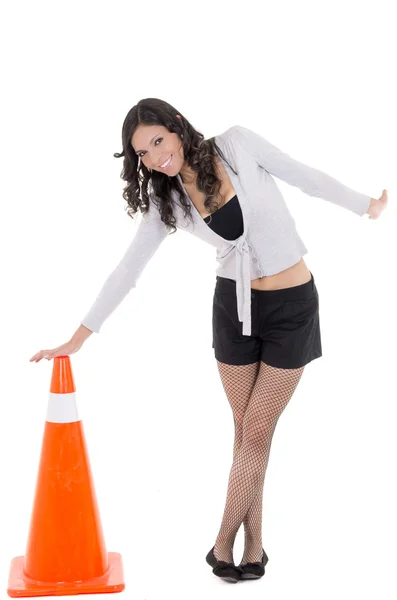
(254, 570)
(227, 571)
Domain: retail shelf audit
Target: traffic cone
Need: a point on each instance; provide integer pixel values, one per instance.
(65, 553)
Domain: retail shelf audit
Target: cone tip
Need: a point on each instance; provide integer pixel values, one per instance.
(62, 381)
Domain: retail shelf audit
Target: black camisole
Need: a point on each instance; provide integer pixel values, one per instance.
(229, 224)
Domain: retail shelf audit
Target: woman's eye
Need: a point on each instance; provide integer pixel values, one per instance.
(158, 140)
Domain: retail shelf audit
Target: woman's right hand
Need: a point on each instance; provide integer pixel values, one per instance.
(69, 348)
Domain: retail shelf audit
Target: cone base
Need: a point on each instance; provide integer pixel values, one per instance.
(20, 586)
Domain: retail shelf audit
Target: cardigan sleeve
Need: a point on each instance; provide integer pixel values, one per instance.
(149, 235)
(310, 180)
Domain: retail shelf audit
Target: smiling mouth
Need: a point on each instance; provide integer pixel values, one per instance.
(167, 163)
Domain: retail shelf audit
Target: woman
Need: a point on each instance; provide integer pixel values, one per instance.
(265, 308)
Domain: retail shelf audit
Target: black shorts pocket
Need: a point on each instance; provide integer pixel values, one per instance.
(300, 310)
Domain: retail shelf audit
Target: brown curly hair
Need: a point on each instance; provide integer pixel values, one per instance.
(198, 153)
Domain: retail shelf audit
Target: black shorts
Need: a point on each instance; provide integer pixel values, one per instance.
(285, 326)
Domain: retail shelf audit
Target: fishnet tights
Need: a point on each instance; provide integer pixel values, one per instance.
(258, 394)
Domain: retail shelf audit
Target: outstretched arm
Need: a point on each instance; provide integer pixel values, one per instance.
(310, 180)
(148, 237)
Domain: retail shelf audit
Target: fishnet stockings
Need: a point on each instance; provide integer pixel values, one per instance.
(258, 394)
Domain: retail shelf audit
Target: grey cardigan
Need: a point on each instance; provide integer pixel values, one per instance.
(270, 242)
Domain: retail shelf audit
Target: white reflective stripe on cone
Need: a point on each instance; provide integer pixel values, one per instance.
(62, 408)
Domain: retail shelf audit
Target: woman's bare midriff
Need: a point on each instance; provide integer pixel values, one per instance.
(295, 275)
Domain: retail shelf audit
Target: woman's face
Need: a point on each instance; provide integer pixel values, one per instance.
(154, 144)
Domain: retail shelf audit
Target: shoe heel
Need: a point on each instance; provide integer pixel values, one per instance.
(255, 570)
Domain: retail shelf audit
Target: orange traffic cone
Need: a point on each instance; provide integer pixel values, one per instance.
(66, 553)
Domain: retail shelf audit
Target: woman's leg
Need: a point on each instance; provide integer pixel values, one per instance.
(258, 396)
(238, 382)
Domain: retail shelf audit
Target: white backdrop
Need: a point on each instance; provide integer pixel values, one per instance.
(316, 80)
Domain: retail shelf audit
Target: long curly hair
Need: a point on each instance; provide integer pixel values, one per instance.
(144, 184)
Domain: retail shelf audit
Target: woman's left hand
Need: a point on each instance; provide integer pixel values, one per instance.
(376, 207)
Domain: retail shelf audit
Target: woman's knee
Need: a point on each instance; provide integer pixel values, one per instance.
(257, 433)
